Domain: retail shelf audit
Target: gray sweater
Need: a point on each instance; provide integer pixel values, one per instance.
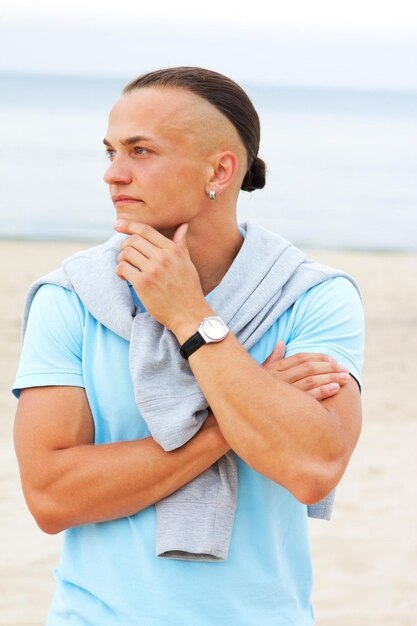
(267, 276)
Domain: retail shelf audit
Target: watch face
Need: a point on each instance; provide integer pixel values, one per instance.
(214, 328)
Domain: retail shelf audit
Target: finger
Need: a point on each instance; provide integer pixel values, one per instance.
(134, 258)
(277, 353)
(140, 244)
(326, 391)
(144, 230)
(307, 374)
(314, 382)
(302, 359)
(126, 271)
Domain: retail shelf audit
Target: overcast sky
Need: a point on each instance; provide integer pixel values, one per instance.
(361, 43)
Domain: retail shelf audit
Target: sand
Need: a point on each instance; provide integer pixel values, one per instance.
(365, 559)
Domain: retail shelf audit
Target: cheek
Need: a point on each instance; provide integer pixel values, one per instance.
(187, 183)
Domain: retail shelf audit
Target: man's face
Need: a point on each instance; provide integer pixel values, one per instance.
(157, 157)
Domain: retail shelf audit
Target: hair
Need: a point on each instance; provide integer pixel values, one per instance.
(228, 98)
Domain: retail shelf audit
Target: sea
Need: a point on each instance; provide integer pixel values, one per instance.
(342, 164)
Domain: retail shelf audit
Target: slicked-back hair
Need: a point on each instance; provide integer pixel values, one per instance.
(228, 98)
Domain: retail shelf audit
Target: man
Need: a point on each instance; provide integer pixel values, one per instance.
(88, 463)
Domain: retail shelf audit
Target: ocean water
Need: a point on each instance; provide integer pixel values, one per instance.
(342, 165)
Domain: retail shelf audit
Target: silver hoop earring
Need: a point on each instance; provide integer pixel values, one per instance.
(212, 194)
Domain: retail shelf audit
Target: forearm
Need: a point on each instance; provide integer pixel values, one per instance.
(95, 483)
(277, 429)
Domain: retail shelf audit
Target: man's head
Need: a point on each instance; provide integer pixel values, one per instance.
(174, 136)
(224, 95)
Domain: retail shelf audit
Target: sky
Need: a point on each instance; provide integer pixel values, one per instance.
(364, 44)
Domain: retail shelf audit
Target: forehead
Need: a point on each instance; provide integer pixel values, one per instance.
(159, 112)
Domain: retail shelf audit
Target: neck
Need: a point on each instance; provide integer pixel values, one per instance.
(213, 245)
(214, 251)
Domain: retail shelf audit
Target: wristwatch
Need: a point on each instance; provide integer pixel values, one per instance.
(211, 330)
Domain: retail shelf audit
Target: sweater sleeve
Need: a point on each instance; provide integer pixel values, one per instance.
(52, 346)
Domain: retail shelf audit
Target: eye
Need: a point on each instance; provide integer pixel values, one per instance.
(140, 150)
(110, 153)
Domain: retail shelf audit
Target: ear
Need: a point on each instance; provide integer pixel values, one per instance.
(225, 166)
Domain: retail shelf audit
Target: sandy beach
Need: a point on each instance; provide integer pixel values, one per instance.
(365, 559)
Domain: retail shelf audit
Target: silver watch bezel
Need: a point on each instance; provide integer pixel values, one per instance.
(221, 325)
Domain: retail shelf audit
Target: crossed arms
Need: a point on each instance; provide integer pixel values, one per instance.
(282, 418)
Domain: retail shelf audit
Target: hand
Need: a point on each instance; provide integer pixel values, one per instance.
(162, 274)
(319, 375)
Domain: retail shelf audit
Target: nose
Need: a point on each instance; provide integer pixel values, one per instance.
(117, 172)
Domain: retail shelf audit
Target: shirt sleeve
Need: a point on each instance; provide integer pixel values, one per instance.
(52, 346)
(329, 319)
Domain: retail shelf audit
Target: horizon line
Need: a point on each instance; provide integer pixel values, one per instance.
(300, 86)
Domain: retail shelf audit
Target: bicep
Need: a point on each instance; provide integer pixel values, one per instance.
(328, 319)
(49, 419)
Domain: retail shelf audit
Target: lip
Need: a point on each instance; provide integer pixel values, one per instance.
(124, 199)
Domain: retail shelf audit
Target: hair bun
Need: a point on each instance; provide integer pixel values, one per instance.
(255, 176)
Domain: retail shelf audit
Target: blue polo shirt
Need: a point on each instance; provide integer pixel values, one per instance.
(108, 573)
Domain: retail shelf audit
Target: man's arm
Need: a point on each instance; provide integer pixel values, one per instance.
(280, 431)
(294, 439)
(67, 481)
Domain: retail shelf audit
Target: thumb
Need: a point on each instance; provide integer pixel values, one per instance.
(277, 353)
(180, 235)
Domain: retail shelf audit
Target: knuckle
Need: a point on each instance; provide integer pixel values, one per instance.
(300, 357)
(126, 255)
(145, 281)
(308, 368)
(120, 267)
(315, 393)
(309, 382)
(322, 394)
(164, 260)
(153, 272)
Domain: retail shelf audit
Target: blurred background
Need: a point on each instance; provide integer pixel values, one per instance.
(335, 85)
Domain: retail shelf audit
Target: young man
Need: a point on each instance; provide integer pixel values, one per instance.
(126, 341)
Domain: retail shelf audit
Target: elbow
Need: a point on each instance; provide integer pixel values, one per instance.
(312, 492)
(315, 485)
(46, 513)
(49, 525)
(321, 475)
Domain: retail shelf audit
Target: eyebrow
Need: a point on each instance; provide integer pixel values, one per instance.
(129, 140)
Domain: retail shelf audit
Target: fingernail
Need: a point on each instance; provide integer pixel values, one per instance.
(344, 377)
(334, 387)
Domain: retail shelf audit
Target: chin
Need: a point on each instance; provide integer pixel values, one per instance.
(166, 228)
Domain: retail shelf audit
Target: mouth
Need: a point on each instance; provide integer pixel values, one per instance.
(124, 199)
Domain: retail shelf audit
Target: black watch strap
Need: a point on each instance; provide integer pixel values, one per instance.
(191, 345)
